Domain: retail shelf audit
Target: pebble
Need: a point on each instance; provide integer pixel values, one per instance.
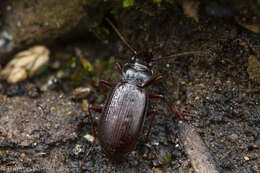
(89, 137)
(233, 136)
(158, 170)
(246, 158)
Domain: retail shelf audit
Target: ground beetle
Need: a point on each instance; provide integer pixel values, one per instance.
(127, 105)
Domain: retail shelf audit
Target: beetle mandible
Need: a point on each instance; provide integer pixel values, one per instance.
(126, 108)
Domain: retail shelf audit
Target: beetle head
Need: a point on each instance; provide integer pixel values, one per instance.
(137, 73)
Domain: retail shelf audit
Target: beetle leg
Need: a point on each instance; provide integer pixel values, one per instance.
(96, 109)
(99, 110)
(173, 108)
(155, 79)
(119, 66)
(103, 83)
(151, 112)
(86, 155)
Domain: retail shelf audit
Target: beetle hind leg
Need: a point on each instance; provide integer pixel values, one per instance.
(99, 110)
(149, 113)
(173, 108)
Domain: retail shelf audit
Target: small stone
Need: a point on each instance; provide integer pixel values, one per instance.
(158, 170)
(77, 149)
(233, 137)
(84, 105)
(253, 146)
(197, 98)
(202, 85)
(246, 158)
(145, 153)
(25, 143)
(257, 143)
(81, 92)
(256, 169)
(89, 137)
(34, 92)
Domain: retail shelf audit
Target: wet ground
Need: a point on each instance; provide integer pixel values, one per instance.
(44, 131)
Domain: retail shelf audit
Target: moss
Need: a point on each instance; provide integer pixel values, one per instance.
(104, 68)
(168, 157)
(58, 16)
(100, 32)
(101, 69)
(128, 3)
(157, 1)
(55, 14)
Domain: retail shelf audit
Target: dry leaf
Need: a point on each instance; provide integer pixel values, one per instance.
(191, 9)
(25, 64)
(251, 27)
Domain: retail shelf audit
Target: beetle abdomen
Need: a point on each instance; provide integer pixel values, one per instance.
(122, 119)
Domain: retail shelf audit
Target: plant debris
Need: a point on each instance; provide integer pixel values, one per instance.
(25, 64)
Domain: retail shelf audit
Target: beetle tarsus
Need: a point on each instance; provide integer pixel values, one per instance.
(173, 108)
(86, 155)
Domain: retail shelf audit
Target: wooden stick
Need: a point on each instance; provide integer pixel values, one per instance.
(201, 159)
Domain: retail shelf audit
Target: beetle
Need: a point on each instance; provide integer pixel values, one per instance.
(126, 107)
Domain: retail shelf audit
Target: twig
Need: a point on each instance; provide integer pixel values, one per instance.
(201, 159)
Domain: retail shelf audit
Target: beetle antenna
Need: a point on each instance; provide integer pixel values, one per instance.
(179, 54)
(121, 36)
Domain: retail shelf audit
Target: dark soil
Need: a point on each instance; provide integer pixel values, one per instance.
(45, 133)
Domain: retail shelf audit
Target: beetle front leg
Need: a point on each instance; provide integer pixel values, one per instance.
(106, 83)
(99, 110)
(119, 66)
(155, 79)
(173, 108)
